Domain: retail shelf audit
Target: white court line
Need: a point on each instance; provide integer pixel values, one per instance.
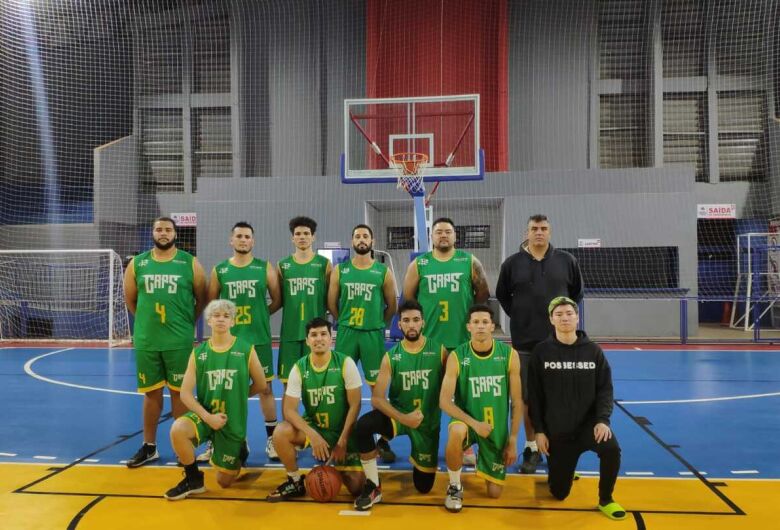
(690, 473)
(355, 513)
(7, 454)
(43, 457)
(640, 474)
(745, 472)
(699, 400)
(587, 472)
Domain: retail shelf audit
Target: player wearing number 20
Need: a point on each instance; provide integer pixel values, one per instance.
(165, 288)
(446, 282)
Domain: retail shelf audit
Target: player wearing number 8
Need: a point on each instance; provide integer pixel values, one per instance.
(362, 297)
(446, 282)
(165, 288)
(483, 377)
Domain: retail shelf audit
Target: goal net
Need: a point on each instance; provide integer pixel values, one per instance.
(62, 295)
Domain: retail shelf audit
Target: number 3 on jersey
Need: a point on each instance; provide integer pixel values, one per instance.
(445, 311)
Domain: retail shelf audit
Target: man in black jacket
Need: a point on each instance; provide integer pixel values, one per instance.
(528, 280)
(571, 402)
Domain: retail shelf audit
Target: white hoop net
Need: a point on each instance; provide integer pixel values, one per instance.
(410, 171)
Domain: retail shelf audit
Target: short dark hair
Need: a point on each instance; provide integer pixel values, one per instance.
(482, 308)
(371, 232)
(302, 220)
(318, 322)
(243, 224)
(166, 220)
(443, 220)
(538, 218)
(409, 305)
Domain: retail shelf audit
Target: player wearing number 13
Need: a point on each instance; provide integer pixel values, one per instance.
(446, 282)
(165, 288)
(483, 376)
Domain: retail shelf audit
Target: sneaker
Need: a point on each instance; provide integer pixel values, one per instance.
(469, 457)
(186, 487)
(530, 461)
(454, 499)
(289, 489)
(147, 453)
(270, 450)
(369, 496)
(243, 454)
(205, 456)
(385, 453)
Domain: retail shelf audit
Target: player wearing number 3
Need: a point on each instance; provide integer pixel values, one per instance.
(165, 288)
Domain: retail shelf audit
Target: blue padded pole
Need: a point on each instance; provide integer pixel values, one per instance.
(419, 222)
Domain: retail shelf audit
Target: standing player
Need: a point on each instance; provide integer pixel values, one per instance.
(303, 277)
(528, 280)
(244, 280)
(446, 282)
(413, 370)
(220, 369)
(483, 375)
(328, 383)
(362, 298)
(165, 288)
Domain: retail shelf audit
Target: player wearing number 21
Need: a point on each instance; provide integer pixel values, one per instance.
(446, 282)
(165, 288)
(483, 377)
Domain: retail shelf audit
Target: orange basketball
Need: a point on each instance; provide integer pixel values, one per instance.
(323, 483)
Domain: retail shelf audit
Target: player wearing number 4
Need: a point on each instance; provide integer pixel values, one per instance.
(328, 383)
(244, 280)
(303, 277)
(165, 288)
(483, 376)
(221, 369)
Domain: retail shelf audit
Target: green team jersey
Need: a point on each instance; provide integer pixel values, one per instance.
(246, 287)
(324, 392)
(222, 383)
(415, 381)
(361, 297)
(304, 292)
(445, 293)
(165, 311)
(482, 390)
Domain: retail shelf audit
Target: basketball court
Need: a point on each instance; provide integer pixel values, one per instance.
(692, 424)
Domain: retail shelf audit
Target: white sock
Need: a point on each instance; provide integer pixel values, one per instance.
(370, 469)
(532, 445)
(295, 475)
(454, 477)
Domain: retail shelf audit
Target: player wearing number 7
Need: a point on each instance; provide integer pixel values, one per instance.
(483, 377)
(446, 282)
(165, 288)
(362, 297)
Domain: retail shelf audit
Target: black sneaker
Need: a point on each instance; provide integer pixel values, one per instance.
(243, 454)
(531, 459)
(147, 453)
(385, 453)
(289, 489)
(188, 486)
(369, 496)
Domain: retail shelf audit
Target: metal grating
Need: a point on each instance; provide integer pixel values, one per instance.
(742, 135)
(161, 148)
(211, 55)
(212, 150)
(624, 39)
(683, 28)
(623, 131)
(685, 131)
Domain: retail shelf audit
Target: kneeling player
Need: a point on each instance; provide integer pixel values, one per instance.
(329, 384)
(220, 369)
(413, 370)
(482, 375)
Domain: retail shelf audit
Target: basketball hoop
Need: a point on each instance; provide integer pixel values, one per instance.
(410, 171)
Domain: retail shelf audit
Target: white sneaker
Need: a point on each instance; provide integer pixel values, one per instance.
(453, 501)
(270, 450)
(205, 456)
(469, 457)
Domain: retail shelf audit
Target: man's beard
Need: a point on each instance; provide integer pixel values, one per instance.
(362, 250)
(243, 252)
(408, 335)
(164, 246)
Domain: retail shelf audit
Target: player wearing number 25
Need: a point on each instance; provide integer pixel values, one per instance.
(165, 288)
(483, 377)
(362, 297)
(446, 282)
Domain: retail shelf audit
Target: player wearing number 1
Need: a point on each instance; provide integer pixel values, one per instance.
(446, 282)
(244, 280)
(303, 277)
(165, 288)
(483, 377)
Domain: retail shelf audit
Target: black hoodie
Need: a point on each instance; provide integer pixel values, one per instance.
(525, 287)
(569, 386)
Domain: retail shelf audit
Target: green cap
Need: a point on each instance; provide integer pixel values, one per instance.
(561, 300)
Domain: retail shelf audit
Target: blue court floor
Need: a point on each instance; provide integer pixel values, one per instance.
(678, 412)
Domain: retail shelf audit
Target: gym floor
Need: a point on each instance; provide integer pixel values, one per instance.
(698, 428)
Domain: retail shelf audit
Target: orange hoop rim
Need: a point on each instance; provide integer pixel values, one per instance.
(409, 163)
